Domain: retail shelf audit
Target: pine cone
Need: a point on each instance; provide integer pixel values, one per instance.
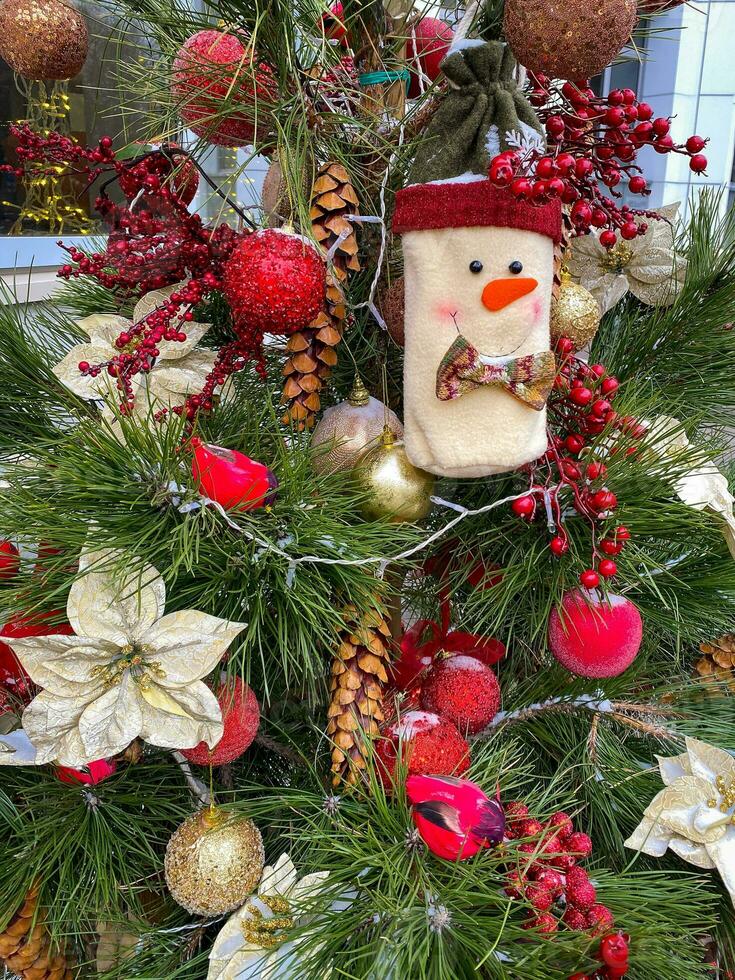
(359, 679)
(25, 945)
(718, 663)
(311, 353)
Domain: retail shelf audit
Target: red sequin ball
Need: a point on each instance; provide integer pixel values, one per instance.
(274, 282)
(241, 718)
(431, 746)
(464, 691)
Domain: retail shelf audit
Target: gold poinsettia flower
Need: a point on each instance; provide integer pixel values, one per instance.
(129, 671)
(694, 814)
(254, 942)
(646, 266)
(179, 370)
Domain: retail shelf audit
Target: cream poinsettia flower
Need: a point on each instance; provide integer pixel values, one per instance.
(128, 671)
(180, 370)
(647, 265)
(693, 816)
(245, 949)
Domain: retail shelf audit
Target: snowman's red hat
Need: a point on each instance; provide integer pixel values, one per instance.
(470, 203)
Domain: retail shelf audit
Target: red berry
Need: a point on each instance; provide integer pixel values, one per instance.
(637, 184)
(599, 919)
(695, 144)
(540, 897)
(544, 922)
(622, 533)
(551, 880)
(531, 827)
(615, 97)
(608, 238)
(581, 214)
(563, 824)
(607, 568)
(555, 126)
(601, 407)
(574, 919)
(580, 891)
(521, 187)
(596, 470)
(663, 144)
(574, 443)
(559, 545)
(698, 163)
(603, 500)
(610, 547)
(565, 162)
(524, 506)
(512, 883)
(9, 560)
(583, 167)
(589, 579)
(580, 396)
(614, 116)
(661, 126)
(614, 950)
(609, 386)
(644, 111)
(83, 366)
(515, 810)
(629, 230)
(628, 96)
(545, 167)
(556, 187)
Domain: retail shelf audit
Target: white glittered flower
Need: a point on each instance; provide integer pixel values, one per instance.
(179, 370)
(647, 265)
(245, 947)
(129, 671)
(693, 815)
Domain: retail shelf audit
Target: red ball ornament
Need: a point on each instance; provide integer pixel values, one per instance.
(275, 282)
(214, 70)
(232, 479)
(9, 560)
(431, 746)
(89, 775)
(595, 637)
(240, 717)
(428, 41)
(464, 690)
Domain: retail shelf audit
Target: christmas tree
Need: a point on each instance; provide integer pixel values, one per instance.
(368, 557)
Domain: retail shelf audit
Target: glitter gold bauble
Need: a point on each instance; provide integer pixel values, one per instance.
(574, 313)
(393, 309)
(395, 489)
(349, 429)
(573, 40)
(43, 39)
(214, 861)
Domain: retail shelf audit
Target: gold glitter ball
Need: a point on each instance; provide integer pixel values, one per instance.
(346, 431)
(575, 39)
(574, 313)
(43, 39)
(214, 861)
(394, 488)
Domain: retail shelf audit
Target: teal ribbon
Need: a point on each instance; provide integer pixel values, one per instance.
(379, 77)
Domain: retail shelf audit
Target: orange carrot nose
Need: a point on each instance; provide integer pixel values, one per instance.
(499, 293)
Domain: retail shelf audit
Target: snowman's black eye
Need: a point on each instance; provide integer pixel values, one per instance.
(475, 266)
(516, 267)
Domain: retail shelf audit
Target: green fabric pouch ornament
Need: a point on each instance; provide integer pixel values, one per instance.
(483, 113)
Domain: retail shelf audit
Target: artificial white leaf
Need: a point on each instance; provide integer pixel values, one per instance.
(103, 329)
(111, 722)
(63, 665)
(67, 371)
(51, 724)
(176, 350)
(189, 644)
(198, 718)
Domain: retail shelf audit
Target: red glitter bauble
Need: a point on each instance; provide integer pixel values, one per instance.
(9, 559)
(431, 746)
(274, 282)
(463, 690)
(232, 479)
(595, 636)
(213, 71)
(240, 717)
(432, 41)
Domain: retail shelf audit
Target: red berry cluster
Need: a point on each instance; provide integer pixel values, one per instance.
(580, 408)
(552, 881)
(592, 142)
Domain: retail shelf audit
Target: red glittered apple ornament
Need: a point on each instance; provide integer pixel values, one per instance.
(232, 479)
(595, 635)
(240, 717)
(429, 745)
(214, 71)
(463, 690)
(275, 282)
(428, 43)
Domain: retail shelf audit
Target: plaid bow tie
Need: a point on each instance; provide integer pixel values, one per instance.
(529, 378)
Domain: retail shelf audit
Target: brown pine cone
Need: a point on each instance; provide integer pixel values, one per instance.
(359, 680)
(25, 945)
(718, 661)
(311, 351)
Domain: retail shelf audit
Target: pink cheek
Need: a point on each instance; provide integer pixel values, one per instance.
(537, 309)
(447, 311)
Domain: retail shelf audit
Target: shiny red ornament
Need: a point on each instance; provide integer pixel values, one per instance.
(240, 717)
(89, 775)
(9, 560)
(429, 745)
(232, 479)
(275, 282)
(464, 690)
(595, 636)
(454, 817)
(215, 71)
(428, 42)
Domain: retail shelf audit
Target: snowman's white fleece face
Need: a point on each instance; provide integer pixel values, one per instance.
(491, 285)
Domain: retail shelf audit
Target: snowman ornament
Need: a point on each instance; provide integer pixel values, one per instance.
(478, 272)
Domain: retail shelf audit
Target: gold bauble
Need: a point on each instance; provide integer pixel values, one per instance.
(575, 40)
(349, 429)
(574, 313)
(214, 861)
(395, 489)
(43, 39)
